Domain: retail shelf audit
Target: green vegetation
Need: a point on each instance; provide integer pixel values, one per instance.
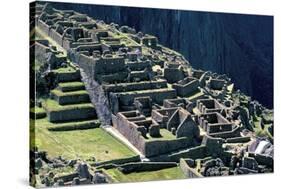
(71, 86)
(32, 133)
(37, 109)
(41, 35)
(37, 112)
(259, 131)
(57, 171)
(84, 144)
(195, 95)
(165, 135)
(52, 105)
(65, 70)
(60, 93)
(164, 174)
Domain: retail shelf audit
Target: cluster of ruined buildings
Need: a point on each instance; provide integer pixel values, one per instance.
(150, 94)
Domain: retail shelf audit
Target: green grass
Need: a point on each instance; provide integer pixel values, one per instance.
(83, 144)
(259, 131)
(38, 113)
(70, 93)
(164, 174)
(37, 109)
(65, 70)
(32, 133)
(71, 84)
(57, 171)
(195, 95)
(256, 122)
(40, 34)
(52, 105)
(165, 135)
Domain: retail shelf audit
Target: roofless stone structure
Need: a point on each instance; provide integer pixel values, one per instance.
(150, 95)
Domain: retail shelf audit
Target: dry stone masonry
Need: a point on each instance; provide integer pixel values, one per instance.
(153, 97)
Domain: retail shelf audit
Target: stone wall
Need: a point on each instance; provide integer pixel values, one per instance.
(68, 76)
(71, 99)
(41, 52)
(217, 84)
(145, 166)
(162, 116)
(135, 86)
(188, 171)
(154, 148)
(43, 26)
(197, 152)
(130, 131)
(71, 114)
(186, 87)
(157, 96)
(209, 106)
(56, 37)
(135, 158)
(172, 75)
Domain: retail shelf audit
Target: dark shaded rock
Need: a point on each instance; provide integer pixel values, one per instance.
(99, 178)
(71, 163)
(76, 181)
(83, 171)
(38, 163)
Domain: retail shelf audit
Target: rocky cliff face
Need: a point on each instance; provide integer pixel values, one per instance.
(240, 46)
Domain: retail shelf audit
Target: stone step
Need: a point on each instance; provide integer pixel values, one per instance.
(37, 113)
(64, 113)
(71, 86)
(67, 74)
(76, 125)
(72, 97)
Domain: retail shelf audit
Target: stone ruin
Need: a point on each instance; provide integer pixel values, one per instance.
(165, 108)
(82, 174)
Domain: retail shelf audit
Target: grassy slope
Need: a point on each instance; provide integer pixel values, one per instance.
(164, 174)
(79, 144)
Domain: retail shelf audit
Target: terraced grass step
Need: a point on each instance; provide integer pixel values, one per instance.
(64, 113)
(72, 97)
(67, 74)
(37, 113)
(71, 86)
(74, 125)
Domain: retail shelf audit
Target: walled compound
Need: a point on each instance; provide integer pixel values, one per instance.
(151, 95)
